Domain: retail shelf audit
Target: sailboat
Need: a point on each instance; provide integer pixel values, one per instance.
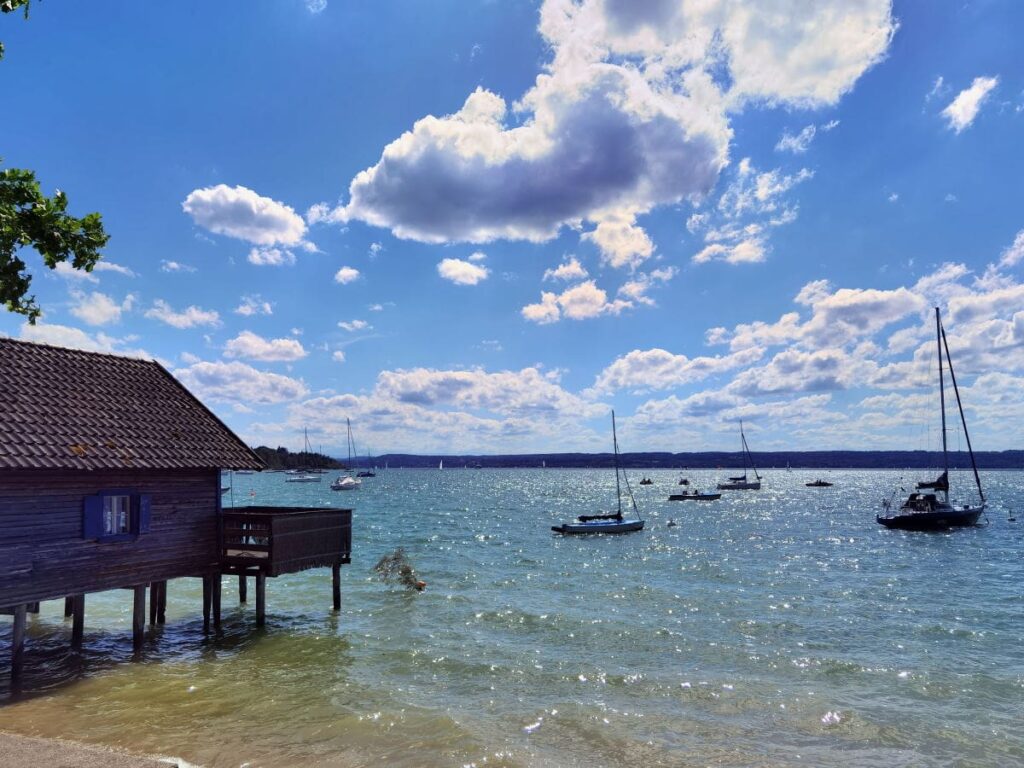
(612, 522)
(933, 511)
(347, 482)
(741, 483)
(303, 475)
(440, 464)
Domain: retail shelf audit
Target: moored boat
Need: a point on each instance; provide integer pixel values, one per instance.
(819, 483)
(742, 482)
(694, 495)
(934, 511)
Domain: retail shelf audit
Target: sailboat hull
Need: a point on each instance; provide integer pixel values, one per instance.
(742, 486)
(599, 526)
(939, 520)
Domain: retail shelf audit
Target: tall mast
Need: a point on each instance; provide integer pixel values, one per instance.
(963, 419)
(942, 398)
(615, 445)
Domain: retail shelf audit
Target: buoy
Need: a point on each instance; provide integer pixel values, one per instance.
(421, 585)
(671, 523)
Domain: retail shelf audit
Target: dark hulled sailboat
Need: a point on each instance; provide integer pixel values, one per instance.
(924, 511)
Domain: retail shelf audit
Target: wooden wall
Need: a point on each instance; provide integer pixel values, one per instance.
(43, 554)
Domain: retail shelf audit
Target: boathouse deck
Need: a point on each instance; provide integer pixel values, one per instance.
(278, 540)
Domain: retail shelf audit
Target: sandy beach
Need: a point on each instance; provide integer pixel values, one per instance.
(28, 752)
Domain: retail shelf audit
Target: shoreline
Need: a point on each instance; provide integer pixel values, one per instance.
(31, 751)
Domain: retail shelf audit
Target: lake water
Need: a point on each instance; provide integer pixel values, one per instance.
(780, 627)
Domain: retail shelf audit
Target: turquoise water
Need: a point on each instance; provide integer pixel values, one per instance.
(780, 627)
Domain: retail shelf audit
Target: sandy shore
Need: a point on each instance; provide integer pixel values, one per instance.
(28, 752)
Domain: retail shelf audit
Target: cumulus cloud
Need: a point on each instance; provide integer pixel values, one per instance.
(462, 272)
(190, 317)
(567, 270)
(799, 143)
(75, 338)
(354, 325)
(653, 369)
(237, 382)
(962, 110)
(338, 356)
(110, 266)
(580, 302)
(98, 308)
(1014, 253)
(251, 346)
(271, 257)
(175, 266)
(631, 112)
(749, 251)
(254, 305)
(346, 275)
(316, 7)
(243, 214)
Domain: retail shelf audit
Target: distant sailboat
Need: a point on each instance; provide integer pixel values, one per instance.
(741, 483)
(929, 511)
(347, 482)
(440, 464)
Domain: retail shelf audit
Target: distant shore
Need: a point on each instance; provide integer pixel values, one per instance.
(31, 752)
(811, 460)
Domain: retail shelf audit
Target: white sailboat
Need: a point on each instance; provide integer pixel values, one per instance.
(303, 475)
(347, 482)
(740, 482)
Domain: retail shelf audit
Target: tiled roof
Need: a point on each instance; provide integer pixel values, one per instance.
(68, 409)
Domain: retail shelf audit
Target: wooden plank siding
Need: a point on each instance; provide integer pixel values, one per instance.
(43, 554)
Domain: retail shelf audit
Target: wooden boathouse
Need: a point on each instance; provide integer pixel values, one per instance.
(110, 478)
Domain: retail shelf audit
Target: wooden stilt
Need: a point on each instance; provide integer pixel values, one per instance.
(18, 642)
(207, 597)
(69, 605)
(32, 608)
(139, 617)
(261, 599)
(154, 599)
(243, 588)
(161, 607)
(216, 584)
(77, 620)
(336, 584)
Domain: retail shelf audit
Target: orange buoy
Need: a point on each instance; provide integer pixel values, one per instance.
(421, 585)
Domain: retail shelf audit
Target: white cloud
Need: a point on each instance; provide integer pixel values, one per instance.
(376, 308)
(243, 214)
(254, 347)
(190, 317)
(338, 356)
(462, 272)
(238, 382)
(621, 242)
(962, 111)
(65, 270)
(893, 197)
(254, 305)
(376, 249)
(567, 270)
(749, 251)
(316, 7)
(175, 266)
(271, 257)
(478, 256)
(76, 338)
(652, 369)
(1014, 252)
(108, 266)
(98, 308)
(354, 325)
(799, 143)
(580, 302)
(346, 275)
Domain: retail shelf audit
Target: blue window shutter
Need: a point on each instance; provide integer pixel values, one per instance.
(145, 511)
(92, 518)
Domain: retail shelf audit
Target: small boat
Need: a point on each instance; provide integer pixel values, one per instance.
(740, 482)
(819, 483)
(612, 522)
(225, 488)
(647, 481)
(346, 483)
(934, 511)
(303, 479)
(366, 473)
(683, 481)
(694, 495)
(440, 464)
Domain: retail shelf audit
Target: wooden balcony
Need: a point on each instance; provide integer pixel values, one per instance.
(276, 540)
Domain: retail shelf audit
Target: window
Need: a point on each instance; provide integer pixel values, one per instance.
(116, 515)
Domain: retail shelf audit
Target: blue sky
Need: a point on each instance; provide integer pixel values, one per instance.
(477, 226)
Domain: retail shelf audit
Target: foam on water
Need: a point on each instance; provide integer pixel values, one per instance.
(778, 627)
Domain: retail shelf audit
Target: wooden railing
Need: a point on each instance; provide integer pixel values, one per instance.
(278, 540)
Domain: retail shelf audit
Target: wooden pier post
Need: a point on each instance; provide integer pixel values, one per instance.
(32, 608)
(139, 617)
(18, 642)
(261, 598)
(207, 598)
(336, 584)
(154, 599)
(243, 588)
(215, 583)
(77, 620)
(69, 605)
(161, 606)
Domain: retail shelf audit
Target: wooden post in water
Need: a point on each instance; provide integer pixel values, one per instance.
(243, 588)
(207, 597)
(32, 608)
(161, 606)
(77, 620)
(18, 642)
(154, 599)
(69, 605)
(261, 598)
(336, 584)
(215, 583)
(139, 617)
